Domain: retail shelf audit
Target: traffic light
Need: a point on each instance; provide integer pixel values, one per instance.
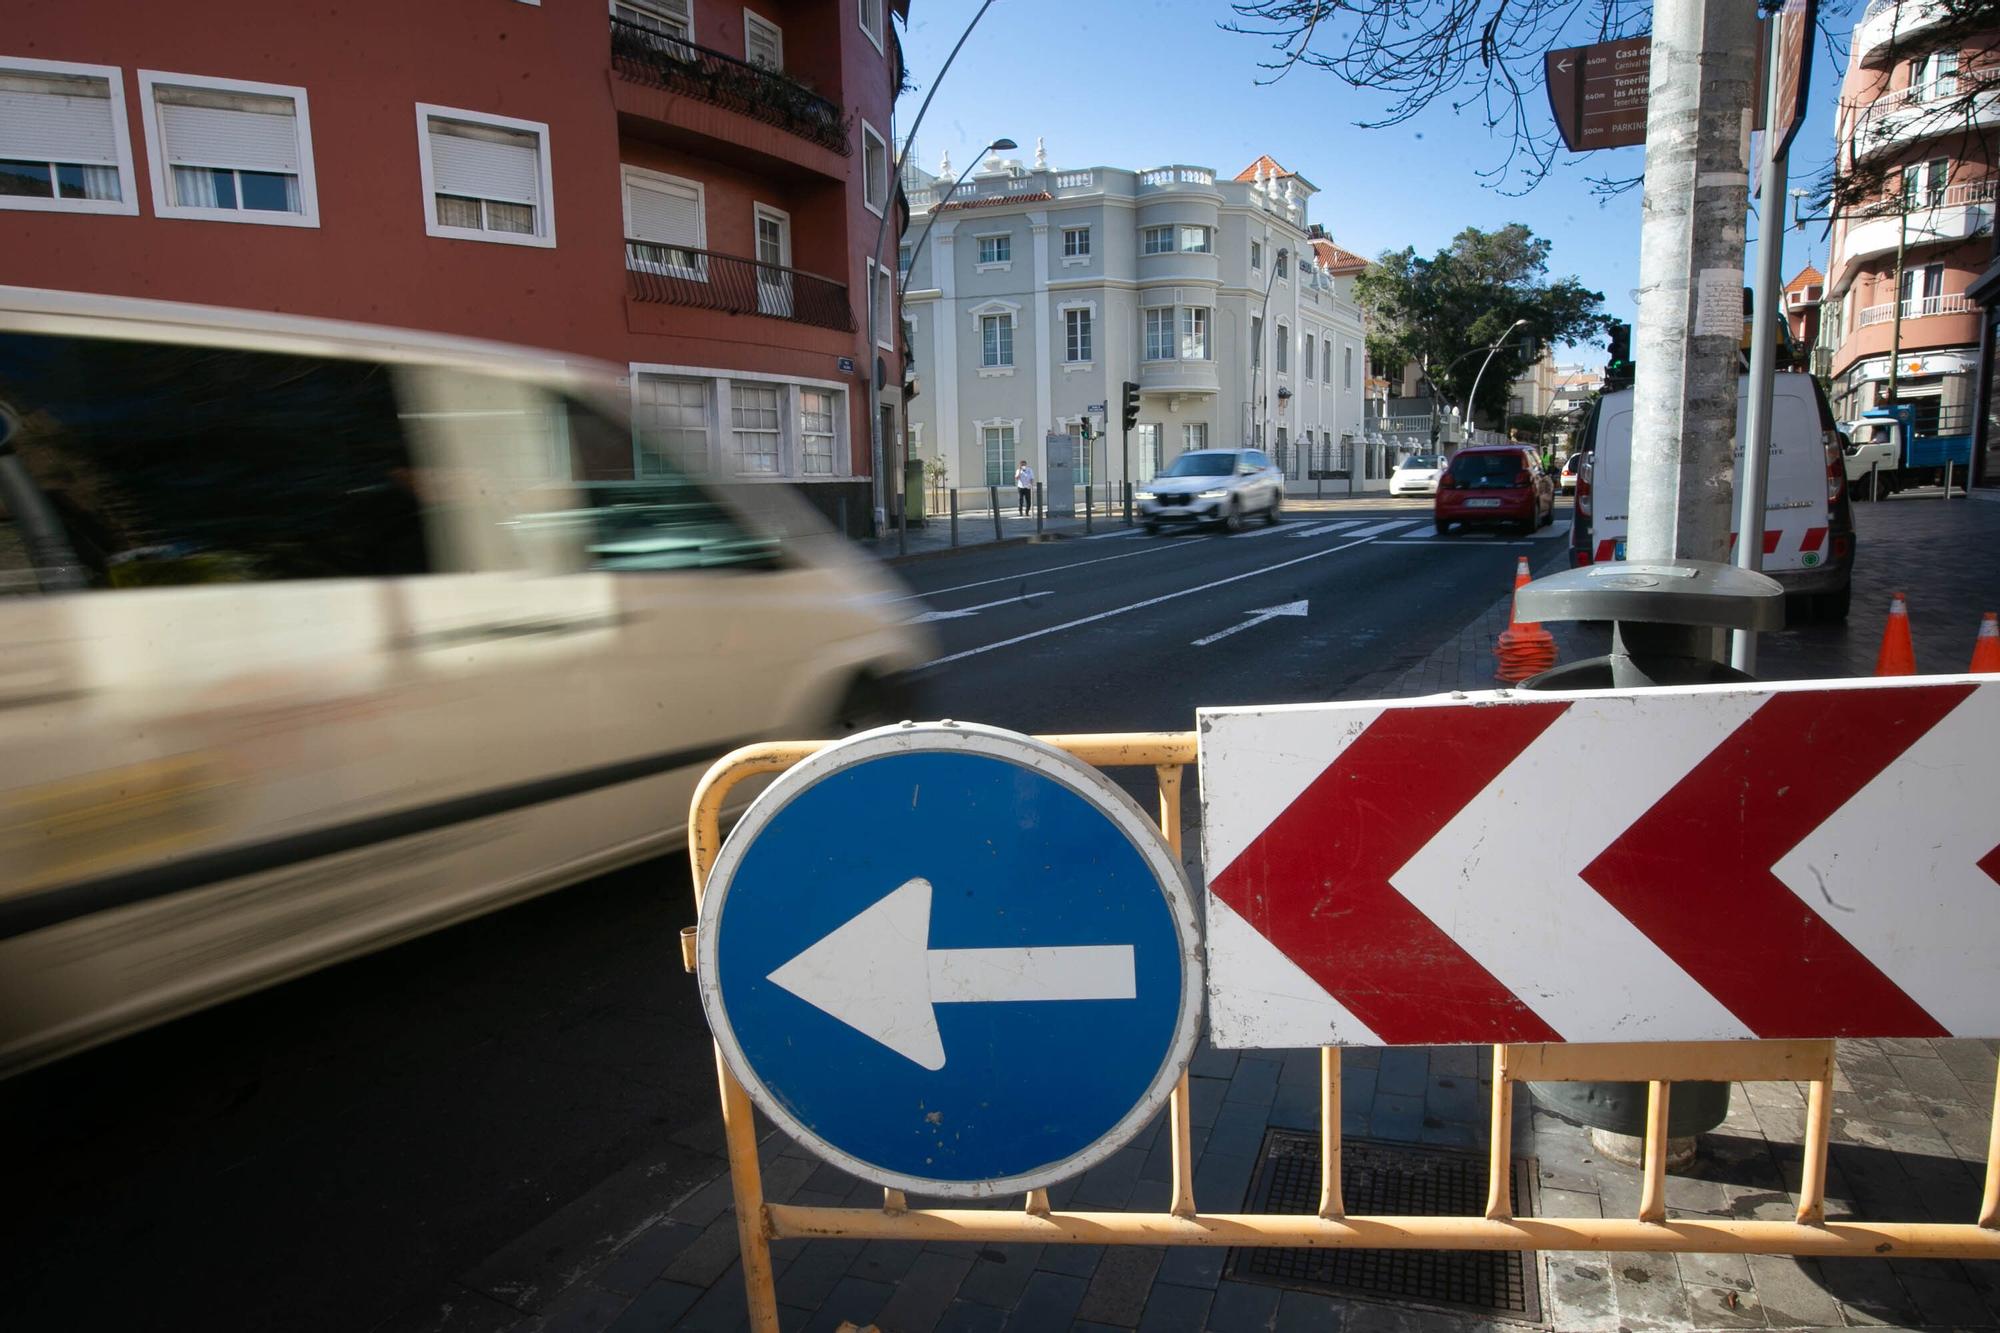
(1131, 405)
(1618, 369)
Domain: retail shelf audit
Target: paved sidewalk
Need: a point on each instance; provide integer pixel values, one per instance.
(1910, 1125)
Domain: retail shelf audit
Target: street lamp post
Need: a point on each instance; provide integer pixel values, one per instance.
(1263, 361)
(881, 229)
(1473, 397)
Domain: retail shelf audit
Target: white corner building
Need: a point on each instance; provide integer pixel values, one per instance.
(1035, 294)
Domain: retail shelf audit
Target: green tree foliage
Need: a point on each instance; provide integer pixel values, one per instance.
(1441, 314)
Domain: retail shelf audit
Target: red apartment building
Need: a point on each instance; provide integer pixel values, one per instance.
(1920, 101)
(688, 189)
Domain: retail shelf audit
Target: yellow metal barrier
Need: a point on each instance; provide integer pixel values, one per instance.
(759, 1223)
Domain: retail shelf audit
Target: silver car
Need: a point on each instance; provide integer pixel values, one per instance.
(1224, 487)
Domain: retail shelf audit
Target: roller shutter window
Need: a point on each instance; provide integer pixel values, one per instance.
(486, 177)
(230, 150)
(763, 42)
(665, 230)
(58, 137)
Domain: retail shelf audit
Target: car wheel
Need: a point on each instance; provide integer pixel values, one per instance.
(1152, 529)
(1831, 607)
(1232, 518)
(1549, 518)
(1275, 514)
(1441, 525)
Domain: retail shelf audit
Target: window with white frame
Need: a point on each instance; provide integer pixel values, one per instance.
(1194, 333)
(1256, 254)
(1256, 341)
(1156, 241)
(668, 18)
(996, 249)
(753, 427)
(225, 150)
(1076, 242)
(904, 254)
(998, 441)
(818, 418)
(1346, 367)
(885, 306)
(665, 224)
(1160, 333)
(1284, 348)
(872, 21)
(675, 414)
(1326, 362)
(996, 341)
(1309, 360)
(763, 41)
(1194, 240)
(486, 177)
(874, 169)
(1076, 335)
(64, 146)
(1085, 457)
(1195, 435)
(1284, 258)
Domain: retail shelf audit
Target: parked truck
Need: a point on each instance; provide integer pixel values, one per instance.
(1893, 448)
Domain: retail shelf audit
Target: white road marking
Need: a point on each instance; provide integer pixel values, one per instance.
(1140, 606)
(1376, 529)
(1270, 531)
(1455, 544)
(1327, 527)
(964, 611)
(1037, 573)
(1257, 617)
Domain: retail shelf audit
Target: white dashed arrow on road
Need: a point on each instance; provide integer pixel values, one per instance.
(1257, 617)
(960, 614)
(879, 975)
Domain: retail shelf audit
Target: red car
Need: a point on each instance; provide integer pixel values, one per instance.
(1493, 484)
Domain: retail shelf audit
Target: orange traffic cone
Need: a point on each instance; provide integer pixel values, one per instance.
(1986, 648)
(1525, 648)
(1897, 657)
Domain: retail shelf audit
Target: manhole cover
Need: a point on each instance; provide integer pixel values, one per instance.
(1385, 1180)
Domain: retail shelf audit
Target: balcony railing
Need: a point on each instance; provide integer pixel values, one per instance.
(1176, 175)
(739, 286)
(1917, 307)
(646, 56)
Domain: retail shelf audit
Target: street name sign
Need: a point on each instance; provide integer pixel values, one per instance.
(1802, 860)
(951, 960)
(1598, 92)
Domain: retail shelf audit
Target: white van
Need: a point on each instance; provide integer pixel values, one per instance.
(1808, 522)
(315, 637)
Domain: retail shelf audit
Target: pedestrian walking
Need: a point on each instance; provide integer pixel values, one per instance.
(1024, 485)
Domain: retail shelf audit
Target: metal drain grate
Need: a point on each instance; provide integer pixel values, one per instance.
(1386, 1180)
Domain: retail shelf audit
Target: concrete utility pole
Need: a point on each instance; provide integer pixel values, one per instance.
(1691, 281)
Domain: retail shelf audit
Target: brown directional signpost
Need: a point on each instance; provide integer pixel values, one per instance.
(1598, 93)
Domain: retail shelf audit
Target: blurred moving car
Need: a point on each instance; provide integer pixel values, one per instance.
(1809, 544)
(1219, 486)
(1489, 485)
(1416, 475)
(1566, 479)
(320, 637)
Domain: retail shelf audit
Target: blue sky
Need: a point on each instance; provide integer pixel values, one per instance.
(1093, 77)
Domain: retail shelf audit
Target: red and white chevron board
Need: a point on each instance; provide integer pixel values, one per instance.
(1785, 860)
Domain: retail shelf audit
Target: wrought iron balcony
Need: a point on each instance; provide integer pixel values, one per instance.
(646, 56)
(702, 278)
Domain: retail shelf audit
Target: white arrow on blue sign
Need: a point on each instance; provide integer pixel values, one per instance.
(951, 960)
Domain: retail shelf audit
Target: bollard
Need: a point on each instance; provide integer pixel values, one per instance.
(1128, 504)
(1089, 508)
(993, 498)
(840, 509)
(953, 493)
(1040, 508)
(1874, 482)
(1947, 479)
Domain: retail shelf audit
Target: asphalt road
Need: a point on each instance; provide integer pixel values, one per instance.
(485, 1110)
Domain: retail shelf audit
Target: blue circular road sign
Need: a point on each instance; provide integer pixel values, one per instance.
(951, 959)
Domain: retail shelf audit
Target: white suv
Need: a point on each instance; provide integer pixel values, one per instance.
(1220, 486)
